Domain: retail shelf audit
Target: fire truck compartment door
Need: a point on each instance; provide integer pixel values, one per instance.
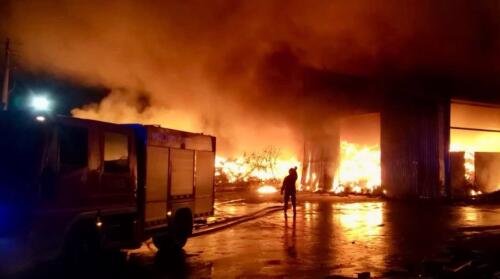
(182, 176)
(156, 184)
(204, 189)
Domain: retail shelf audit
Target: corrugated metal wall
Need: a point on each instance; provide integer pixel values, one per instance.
(321, 158)
(410, 148)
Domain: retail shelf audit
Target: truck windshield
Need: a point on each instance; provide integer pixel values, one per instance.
(21, 149)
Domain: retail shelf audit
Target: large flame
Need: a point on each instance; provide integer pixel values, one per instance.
(469, 164)
(359, 168)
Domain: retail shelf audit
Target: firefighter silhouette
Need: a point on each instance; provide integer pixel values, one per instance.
(288, 189)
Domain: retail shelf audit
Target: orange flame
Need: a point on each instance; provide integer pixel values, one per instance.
(359, 168)
(239, 169)
(469, 162)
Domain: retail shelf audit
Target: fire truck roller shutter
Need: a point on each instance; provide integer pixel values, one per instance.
(156, 185)
(204, 182)
(182, 176)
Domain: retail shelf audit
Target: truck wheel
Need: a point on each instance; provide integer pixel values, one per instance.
(82, 250)
(178, 233)
(183, 227)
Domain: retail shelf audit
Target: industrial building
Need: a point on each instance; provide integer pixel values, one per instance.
(430, 145)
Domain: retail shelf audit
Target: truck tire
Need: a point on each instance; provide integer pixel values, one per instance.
(178, 233)
(82, 249)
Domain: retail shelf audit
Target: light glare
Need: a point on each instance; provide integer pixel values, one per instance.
(267, 189)
(40, 103)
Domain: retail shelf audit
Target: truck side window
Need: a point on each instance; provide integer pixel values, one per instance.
(115, 153)
(73, 148)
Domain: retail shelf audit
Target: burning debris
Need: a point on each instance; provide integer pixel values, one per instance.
(358, 173)
(470, 168)
(265, 167)
(359, 168)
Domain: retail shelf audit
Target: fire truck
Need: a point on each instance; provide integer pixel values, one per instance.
(72, 187)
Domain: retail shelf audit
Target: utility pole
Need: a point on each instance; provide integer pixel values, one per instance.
(6, 76)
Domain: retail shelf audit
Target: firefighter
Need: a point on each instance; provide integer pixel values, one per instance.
(288, 189)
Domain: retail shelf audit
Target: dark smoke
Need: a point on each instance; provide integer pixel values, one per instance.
(256, 72)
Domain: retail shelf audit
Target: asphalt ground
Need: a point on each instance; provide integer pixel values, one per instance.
(330, 237)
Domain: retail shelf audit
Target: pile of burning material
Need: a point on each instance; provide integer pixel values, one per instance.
(266, 167)
(359, 171)
(355, 189)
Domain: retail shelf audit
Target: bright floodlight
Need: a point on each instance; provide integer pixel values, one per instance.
(40, 118)
(40, 103)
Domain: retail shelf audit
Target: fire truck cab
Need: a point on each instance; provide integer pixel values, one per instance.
(67, 184)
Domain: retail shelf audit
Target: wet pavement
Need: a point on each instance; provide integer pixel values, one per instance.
(234, 208)
(329, 236)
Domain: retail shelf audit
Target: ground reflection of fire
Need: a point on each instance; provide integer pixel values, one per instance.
(309, 209)
(470, 215)
(358, 230)
(360, 219)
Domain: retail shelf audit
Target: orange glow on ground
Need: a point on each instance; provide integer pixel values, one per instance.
(267, 189)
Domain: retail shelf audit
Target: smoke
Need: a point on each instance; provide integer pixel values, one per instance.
(363, 130)
(253, 73)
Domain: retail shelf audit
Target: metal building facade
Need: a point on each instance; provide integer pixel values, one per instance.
(414, 144)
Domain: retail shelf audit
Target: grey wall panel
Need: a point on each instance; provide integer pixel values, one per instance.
(410, 148)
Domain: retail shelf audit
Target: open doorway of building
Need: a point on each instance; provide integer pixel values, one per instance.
(474, 149)
(358, 170)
